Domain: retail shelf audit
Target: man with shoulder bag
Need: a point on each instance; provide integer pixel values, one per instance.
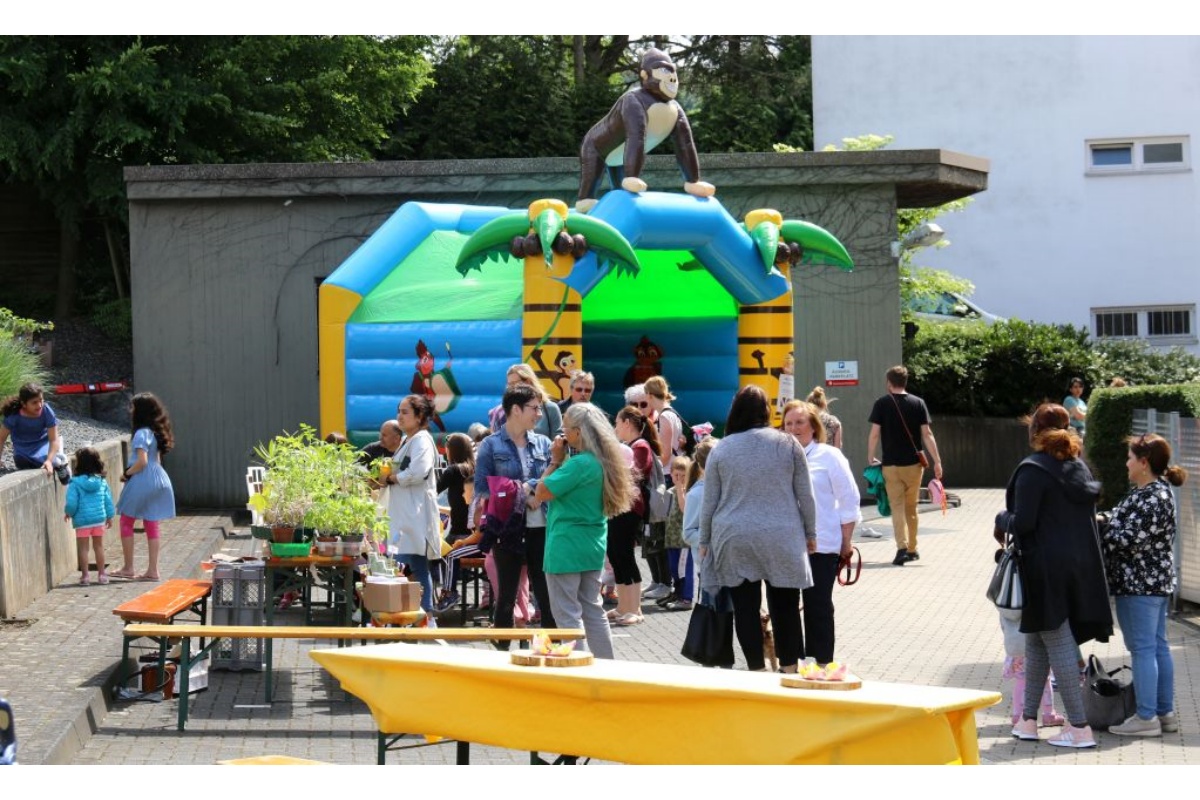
(896, 420)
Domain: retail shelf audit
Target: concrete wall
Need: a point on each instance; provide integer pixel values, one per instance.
(226, 260)
(1048, 241)
(37, 548)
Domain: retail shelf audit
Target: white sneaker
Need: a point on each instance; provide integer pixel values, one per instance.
(1074, 737)
(1169, 722)
(657, 591)
(1136, 726)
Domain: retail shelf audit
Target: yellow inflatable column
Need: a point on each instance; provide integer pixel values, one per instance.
(766, 345)
(335, 305)
(552, 324)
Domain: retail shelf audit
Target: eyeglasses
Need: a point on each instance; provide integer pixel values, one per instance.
(583, 390)
(537, 409)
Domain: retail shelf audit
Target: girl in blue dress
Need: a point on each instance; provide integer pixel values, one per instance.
(147, 495)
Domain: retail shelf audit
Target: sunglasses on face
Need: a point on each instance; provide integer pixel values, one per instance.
(643, 404)
(583, 390)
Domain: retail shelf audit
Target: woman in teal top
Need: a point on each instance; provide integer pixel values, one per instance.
(587, 489)
(1076, 408)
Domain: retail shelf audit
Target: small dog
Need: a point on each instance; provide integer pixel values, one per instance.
(768, 635)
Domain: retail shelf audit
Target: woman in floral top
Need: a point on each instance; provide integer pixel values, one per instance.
(1138, 550)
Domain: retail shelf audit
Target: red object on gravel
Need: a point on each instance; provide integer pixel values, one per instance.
(89, 388)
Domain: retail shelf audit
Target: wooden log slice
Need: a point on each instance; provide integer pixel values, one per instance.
(796, 682)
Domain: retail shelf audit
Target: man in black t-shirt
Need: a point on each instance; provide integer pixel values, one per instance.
(389, 439)
(901, 422)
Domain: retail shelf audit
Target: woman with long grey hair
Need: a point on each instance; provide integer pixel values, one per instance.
(586, 489)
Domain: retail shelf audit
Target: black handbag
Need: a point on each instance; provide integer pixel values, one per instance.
(1005, 589)
(1107, 701)
(709, 639)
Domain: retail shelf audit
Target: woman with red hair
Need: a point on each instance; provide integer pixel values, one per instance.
(1050, 510)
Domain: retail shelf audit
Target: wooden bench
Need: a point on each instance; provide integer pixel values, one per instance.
(186, 632)
(162, 605)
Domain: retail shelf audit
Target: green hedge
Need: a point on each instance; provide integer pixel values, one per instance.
(1006, 369)
(1110, 420)
(1001, 370)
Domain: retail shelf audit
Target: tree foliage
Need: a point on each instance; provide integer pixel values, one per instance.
(510, 97)
(526, 96)
(74, 110)
(748, 93)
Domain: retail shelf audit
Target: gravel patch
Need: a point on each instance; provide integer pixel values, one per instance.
(82, 354)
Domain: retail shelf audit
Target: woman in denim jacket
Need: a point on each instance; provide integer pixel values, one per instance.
(515, 451)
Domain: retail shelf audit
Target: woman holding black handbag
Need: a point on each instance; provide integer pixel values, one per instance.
(1050, 508)
(1139, 542)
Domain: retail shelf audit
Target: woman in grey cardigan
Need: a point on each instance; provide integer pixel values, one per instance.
(758, 523)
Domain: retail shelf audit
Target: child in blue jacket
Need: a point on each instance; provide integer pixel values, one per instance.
(90, 509)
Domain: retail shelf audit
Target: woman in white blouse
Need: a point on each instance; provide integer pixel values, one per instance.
(837, 499)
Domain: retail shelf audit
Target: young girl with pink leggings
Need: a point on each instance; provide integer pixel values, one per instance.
(148, 494)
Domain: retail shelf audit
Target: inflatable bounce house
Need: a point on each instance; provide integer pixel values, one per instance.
(443, 299)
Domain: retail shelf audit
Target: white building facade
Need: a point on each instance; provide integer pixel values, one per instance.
(1092, 213)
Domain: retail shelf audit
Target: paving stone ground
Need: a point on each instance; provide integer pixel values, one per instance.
(926, 623)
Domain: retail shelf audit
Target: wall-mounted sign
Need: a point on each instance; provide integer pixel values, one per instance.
(841, 373)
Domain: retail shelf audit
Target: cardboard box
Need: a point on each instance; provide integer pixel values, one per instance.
(391, 596)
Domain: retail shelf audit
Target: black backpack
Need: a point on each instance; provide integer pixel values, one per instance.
(689, 435)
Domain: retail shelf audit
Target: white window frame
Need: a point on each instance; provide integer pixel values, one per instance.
(1143, 323)
(1137, 146)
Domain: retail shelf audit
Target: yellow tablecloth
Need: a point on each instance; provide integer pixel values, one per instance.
(718, 716)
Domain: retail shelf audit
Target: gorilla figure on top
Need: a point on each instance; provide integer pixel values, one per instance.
(642, 118)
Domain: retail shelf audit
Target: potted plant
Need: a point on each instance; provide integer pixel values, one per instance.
(346, 509)
(293, 481)
(312, 484)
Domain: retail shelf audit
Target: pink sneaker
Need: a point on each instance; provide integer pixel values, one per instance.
(1074, 737)
(1052, 719)
(1026, 730)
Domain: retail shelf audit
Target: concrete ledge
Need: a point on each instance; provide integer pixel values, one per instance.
(922, 177)
(37, 547)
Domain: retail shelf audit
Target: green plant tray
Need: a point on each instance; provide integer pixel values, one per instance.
(290, 550)
(260, 532)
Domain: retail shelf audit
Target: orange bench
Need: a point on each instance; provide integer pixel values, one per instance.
(162, 605)
(166, 601)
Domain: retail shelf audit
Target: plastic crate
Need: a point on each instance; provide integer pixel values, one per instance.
(238, 597)
(238, 616)
(238, 654)
(238, 586)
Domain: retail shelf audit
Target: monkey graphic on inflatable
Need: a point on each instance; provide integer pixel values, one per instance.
(438, 385)
(647, 363)
(641, 119)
